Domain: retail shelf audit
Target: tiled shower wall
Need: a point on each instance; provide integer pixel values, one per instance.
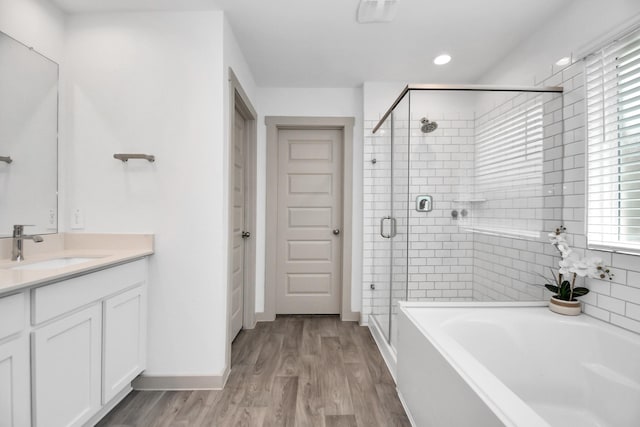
(440, 258)
(512, 220)
(616, 301)
(440, 250)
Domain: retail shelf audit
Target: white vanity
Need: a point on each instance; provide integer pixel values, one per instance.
(72, 333)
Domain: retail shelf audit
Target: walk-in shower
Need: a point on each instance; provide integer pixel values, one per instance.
(487, 162)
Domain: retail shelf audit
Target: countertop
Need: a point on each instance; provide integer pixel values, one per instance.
(108, 250)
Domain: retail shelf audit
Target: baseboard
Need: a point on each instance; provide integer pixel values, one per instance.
(108, 407)
(406, 408)
(388, 353)
(350, 316)
(264, 317)
(196, 382)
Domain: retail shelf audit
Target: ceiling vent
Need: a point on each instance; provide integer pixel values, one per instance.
(372, 11)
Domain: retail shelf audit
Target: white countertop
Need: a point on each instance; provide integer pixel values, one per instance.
(108, 250)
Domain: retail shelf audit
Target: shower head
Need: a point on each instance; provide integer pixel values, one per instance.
(427, 126)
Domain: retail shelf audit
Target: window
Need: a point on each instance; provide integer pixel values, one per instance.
(613, 140)
(508, 167)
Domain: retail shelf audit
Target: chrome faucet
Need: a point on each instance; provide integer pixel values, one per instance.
(18, 238)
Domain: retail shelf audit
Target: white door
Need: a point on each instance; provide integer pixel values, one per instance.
(15, 402)
(67, 369)
(124, 341)
(238, 247)
(309, 248)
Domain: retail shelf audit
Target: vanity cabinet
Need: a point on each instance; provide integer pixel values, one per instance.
(88, 343)
(124, 341)
(15, 402)
(66, 369)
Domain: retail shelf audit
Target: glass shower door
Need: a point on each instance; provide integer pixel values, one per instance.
(400, 150)
(389, 215)
(377, 267)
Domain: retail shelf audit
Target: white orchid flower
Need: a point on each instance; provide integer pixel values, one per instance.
(568, 262)
(596, 266)
(581, 268)
(564, 248)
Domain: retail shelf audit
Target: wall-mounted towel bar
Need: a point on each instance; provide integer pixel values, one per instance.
(6, 159)
(126, 157)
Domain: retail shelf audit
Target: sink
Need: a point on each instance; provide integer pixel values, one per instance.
(53, 263)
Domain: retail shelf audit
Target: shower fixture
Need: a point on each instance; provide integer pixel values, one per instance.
(427, 126)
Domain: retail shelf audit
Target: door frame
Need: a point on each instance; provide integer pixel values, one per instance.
(274, 124)
(238, 100)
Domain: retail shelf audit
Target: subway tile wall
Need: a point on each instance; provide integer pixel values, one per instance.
(440, 249)
(511, 249)
(616, 301)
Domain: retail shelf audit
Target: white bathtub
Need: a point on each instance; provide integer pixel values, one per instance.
(497, 364)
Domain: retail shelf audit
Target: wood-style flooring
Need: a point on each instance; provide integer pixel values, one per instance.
(296, 371)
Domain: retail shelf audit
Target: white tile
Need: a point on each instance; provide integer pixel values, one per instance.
(626, 293)
(596, 312)
(626, 323)
(611, 304)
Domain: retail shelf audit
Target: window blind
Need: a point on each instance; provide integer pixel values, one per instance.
(613, 145)
(509, 149)
(508, 172)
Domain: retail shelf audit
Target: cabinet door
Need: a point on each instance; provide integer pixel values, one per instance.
(14, 383)
(66, 369)
(124, 340)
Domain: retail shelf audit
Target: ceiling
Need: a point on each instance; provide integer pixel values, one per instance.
(304, 43)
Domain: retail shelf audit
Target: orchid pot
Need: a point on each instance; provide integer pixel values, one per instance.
(568, 308)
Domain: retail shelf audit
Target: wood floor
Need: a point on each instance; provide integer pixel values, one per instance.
(297, 371)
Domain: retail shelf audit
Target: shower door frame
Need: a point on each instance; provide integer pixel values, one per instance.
(457, 87)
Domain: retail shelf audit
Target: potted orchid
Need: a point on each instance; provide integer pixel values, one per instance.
(572, 266)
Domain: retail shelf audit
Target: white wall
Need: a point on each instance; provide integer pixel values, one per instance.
(154, 83)
(311, 102)
(35, 23)
(573, 30)
(378, 97)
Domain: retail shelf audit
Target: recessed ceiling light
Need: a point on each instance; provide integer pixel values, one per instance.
(442, 59)
(565, 60)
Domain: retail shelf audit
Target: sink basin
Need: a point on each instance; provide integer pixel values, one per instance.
(52, 263)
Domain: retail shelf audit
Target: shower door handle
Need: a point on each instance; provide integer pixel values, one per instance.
(386, 236)
(392, 231)
(393, 227)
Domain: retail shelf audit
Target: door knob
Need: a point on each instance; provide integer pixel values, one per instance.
(245, 234)
(336, 231)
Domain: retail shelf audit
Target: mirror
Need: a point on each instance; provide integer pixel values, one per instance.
(28, 139)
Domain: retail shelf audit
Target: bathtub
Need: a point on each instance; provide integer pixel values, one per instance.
(514, 364)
